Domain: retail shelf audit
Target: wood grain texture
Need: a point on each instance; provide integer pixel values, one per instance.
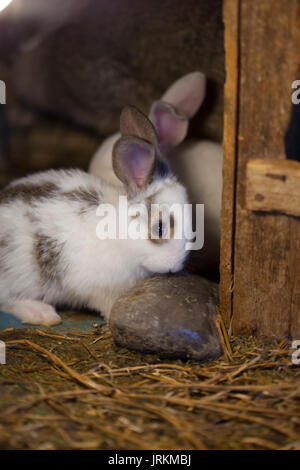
(230, 18)
(266, 299)
(273, 185)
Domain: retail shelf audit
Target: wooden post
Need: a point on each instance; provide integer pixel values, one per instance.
(260, 247)
(231, 38)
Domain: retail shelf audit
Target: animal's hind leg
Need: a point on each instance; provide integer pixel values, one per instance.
(32, 312)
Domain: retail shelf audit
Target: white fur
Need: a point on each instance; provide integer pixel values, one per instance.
(101, 162)
(197, 164)
(92, 272)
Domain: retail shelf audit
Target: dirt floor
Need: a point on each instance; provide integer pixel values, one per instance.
(81, 391)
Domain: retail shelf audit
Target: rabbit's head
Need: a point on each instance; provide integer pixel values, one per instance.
(157, 202)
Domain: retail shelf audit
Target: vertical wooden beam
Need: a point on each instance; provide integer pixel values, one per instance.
(266, 290)
(231, 21)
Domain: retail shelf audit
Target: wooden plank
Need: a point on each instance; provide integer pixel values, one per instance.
(266, 297)
(231, 19)
(273, 185)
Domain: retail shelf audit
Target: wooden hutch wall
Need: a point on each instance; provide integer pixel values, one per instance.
(260, 246)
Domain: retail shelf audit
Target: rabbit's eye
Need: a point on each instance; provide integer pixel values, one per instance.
(159, 230)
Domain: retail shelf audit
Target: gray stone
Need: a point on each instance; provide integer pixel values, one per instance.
(171, 315)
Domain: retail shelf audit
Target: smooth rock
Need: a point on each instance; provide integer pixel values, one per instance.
(171, 315)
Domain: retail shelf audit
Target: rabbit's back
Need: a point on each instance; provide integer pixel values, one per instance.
(48, 219)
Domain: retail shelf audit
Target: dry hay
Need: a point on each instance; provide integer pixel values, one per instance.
(81, 391)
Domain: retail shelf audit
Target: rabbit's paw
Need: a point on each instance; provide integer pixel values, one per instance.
(35, 313)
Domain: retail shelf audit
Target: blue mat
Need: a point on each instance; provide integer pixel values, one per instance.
(71, 321)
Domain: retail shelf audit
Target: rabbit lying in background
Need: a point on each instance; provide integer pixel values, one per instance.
(25, 23)
(197, 164)
(86, 59)
(49, 251)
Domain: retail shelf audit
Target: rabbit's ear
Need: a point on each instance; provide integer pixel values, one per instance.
(170, 115)
(187, 94)
(170, 126)
(135, 124)
(134, 162)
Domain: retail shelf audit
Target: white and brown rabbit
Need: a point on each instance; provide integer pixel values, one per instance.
(50, 253)
(196, 163)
